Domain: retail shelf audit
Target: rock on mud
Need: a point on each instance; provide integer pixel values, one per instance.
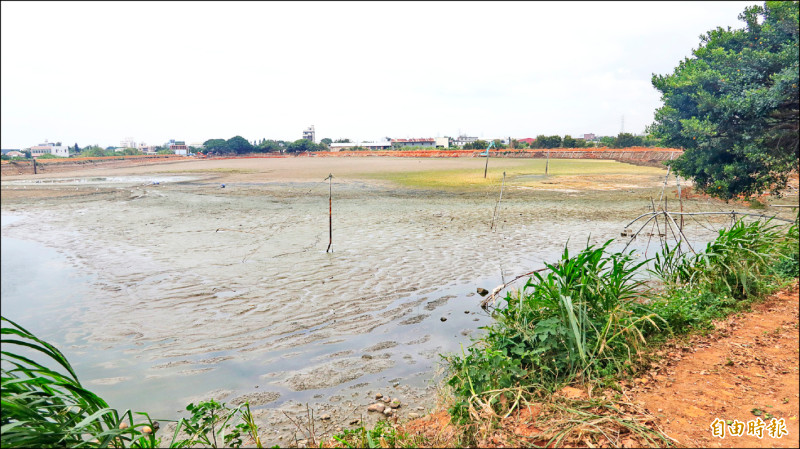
(377, 407)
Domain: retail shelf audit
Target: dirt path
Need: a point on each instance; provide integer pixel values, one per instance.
(748, 367)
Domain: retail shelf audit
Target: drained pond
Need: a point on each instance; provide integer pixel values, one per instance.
(214, 281)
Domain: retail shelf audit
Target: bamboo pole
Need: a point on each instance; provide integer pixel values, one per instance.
(486, 168)
(330, 211)
(498, 201)
(547, 164)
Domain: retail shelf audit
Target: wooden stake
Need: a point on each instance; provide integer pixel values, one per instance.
(330, 211)
(498, 201)
(485, 169)
(547, 164)
(34, 165)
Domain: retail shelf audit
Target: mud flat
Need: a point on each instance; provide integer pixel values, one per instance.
(190, 290)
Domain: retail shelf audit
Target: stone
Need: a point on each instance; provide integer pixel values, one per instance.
(413, 415)
(325, 417)
(482, 291)
(386, 399)
(444, 318)
(395, 404)
(388, 411)
(355, 422)
(377, 407)
(378, 395)
(366, 357)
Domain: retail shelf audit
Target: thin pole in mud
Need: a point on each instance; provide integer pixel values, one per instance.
(486, 168)
(680, 198)
(498, 201)
(34, 166)
(547, 163)
(330, 210)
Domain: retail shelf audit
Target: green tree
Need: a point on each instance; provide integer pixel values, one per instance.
(607, 141)
(569, 142)
(342, 141)
(302, 145)
(543, 141)
(326, 141)
(94, 151)
(239, 145)
(498, 144)
(216, 145)
(627, 140)
(75, 149)
(733, 106)
(27, 153)
(268, 146)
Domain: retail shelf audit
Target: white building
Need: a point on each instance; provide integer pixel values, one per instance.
(49, 148)
(379, 145)
(309, 134)
(128, 142)
(462, 140)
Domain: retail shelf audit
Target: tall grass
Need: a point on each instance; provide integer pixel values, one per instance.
(581, 320)
(590, 318)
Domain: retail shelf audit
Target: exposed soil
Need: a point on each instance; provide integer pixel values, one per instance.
(748, 366)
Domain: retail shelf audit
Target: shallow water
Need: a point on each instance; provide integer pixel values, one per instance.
(178, 293)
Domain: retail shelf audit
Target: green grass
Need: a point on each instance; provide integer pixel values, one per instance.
(590, 319)
(518, 172)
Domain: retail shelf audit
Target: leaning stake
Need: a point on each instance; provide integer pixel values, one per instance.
(330, 211)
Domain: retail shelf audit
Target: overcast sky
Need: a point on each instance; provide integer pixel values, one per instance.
(96, 73)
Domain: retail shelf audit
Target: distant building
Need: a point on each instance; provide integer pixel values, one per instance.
(380, 145)
(13, 153)
(10, 150)
(442, 142)
(128, 142)
(309, 134)
(462, 140)
(49, 148)
(422, 142)
(589, 136)
(528, 140)
(179, 147)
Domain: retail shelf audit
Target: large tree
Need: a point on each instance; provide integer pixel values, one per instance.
(239, 145)
(733, 106)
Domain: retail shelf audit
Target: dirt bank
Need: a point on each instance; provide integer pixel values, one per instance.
(748, 368)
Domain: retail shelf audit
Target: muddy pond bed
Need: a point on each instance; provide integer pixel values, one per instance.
(165, 293)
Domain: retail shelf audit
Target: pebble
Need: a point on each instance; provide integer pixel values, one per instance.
(482, 291)
(377, 407)
(366, 357)
(388, 411)
(413, 415)
(386, 399)
(378, 395)
(395, 404)
(325, 417)
(466, 311)
(444, 318)
(355, 422)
